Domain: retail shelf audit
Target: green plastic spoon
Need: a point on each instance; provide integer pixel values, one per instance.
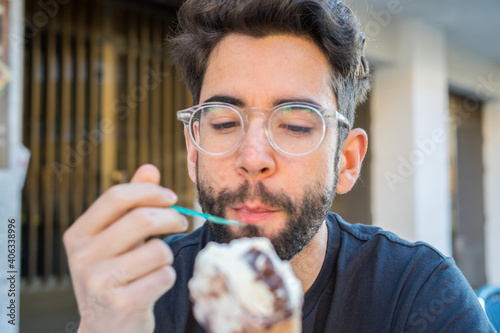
(215, 219)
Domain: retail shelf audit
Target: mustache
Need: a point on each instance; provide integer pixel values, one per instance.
(247, 192)
(303, 218)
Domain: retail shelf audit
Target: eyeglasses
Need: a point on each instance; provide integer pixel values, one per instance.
(291, 128)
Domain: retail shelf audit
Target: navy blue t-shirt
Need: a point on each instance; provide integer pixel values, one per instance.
(370, 281)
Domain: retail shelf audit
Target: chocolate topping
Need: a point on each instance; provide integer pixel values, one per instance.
(266, 273)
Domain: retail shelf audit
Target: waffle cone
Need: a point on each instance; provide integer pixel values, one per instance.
(293, 325)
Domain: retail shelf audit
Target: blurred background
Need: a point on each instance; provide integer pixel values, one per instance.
(89, 94)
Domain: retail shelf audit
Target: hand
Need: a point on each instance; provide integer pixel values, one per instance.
(117, 277)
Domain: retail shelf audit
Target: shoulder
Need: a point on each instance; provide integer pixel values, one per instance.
(356, 238)
(374, 253)
(385, 258)
(424, 288)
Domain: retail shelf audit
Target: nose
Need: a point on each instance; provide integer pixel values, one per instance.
(255, 156)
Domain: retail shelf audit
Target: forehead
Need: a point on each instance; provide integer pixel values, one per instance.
(259, 71)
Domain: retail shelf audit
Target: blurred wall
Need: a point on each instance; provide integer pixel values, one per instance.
(416, 68)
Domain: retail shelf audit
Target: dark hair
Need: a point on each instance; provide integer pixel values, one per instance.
(329, 23)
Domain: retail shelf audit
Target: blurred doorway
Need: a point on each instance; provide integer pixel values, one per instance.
(355, 205)
(466, 171)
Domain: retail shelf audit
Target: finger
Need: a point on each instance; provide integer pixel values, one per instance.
(146, 173)
(116, 202)
(137, 263)
(149, 288)
(136, 226)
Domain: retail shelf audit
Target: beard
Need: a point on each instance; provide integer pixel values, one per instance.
(303, 218)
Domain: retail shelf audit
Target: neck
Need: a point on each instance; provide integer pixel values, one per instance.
(308, 262)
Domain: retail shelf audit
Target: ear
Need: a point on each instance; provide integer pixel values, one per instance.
(351, 157)
(192, 155)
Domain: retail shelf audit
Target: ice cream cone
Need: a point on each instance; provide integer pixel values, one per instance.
(292, 325)
(244, 285)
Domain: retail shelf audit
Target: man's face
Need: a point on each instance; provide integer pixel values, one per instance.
(282, 197)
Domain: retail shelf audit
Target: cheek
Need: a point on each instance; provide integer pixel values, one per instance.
(215, 172)
(315, 168)
(323, 165)
(325, 161)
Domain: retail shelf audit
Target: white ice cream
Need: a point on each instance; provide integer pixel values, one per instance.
(243, 286)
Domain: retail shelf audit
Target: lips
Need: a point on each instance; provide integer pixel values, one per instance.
(253, 213)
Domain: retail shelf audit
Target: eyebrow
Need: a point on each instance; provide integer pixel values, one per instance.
(239, 103)
(298, 100)
(226, 99)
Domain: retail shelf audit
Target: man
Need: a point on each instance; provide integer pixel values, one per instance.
(266, 146)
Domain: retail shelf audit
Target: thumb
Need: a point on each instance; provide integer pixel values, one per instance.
(146, 173)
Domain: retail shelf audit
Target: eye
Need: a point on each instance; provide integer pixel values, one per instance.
(225, 126)
(220, 120)
(296, 130)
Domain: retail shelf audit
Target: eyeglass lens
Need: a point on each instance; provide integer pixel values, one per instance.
(293, 129)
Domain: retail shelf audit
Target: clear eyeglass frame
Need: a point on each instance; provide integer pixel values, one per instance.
(186, 117)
